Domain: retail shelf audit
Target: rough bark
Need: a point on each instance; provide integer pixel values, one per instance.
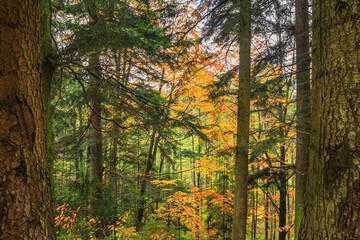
(303, 105)
(332, 209)
(243, 119)
(25, 189)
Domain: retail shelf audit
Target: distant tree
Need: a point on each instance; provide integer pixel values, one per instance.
(25, 190)
(332, 209)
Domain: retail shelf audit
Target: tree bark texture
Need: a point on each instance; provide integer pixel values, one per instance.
(243, 119)
(303, 105)
(25, 189)
(332, 209)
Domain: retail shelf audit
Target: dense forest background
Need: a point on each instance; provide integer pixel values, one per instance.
(179, 119)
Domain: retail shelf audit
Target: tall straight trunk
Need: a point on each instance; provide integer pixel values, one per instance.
(266, 217)
(158, 193)
(95, 139)
(283, 196)
(255, 214)
(95, 134)
(243, 118)
(77, 158)
(198, 208)
(138, 164)
(289, 219)
(332, 209)
(282, 112)
(303, 105)
(252, 216)
(275, 229)
(193, 162)
(26, 207)
(273, 226)
(80, 151)
(113, 158)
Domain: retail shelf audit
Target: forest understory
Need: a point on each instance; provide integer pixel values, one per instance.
(179, 120)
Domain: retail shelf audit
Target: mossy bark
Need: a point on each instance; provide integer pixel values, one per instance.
(332, 209)
(48, 60)
(25, 189)
(303, 105)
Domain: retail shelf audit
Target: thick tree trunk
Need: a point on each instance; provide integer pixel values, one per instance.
(242, 143)
(332, 209)
(25, 190)
(303, 105)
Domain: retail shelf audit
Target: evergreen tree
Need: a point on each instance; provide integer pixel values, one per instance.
(25, 191)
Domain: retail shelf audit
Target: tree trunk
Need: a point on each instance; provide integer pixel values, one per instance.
(274, 228)
(303, 105)
(283, 195)
(158, 193)
(95, 139)
(242, 143)
(266, 218)
(332, 209)
(95, 133)
(255, 214)
(25, 187)
(80, 151)
(78, 157)
(193, 162)
(114, 159)
(145, 179)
